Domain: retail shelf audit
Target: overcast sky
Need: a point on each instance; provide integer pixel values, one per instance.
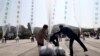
(79, 12)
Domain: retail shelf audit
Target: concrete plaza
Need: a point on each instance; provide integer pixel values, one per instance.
(27, 48)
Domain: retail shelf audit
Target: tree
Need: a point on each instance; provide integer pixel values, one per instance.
(29, 26)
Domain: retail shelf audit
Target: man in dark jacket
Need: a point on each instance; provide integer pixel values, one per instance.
(73, 36)
(54, 39)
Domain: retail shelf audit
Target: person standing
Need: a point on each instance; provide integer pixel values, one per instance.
(32, 38)
(43, 34)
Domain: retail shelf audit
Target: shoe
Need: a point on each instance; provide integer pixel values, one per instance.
(85, 50)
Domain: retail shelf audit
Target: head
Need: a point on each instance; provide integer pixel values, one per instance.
(60, 26)
(45, 26)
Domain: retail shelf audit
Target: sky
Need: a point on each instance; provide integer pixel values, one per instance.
(80, 13)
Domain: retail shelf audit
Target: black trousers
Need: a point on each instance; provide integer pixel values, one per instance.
(71, 44)
(40, 44)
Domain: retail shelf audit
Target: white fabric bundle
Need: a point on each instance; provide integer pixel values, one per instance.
(51, 50)
(47, 50)
(59, 51)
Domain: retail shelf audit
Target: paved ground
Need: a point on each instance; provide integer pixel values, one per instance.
(11, 48)
(26, 48)
(92, 45)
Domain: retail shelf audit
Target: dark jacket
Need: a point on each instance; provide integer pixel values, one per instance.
(54, 39)
(69, 32)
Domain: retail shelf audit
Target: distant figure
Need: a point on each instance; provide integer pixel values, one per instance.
(82, 36)
(92, 34)
(73, 36)
(43, 33)
(97, 35)
(3, 40)
(54, 39)
(32, 38)
(17, 39)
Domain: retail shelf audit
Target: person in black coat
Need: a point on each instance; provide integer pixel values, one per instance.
(73, 36)
(54, 39)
